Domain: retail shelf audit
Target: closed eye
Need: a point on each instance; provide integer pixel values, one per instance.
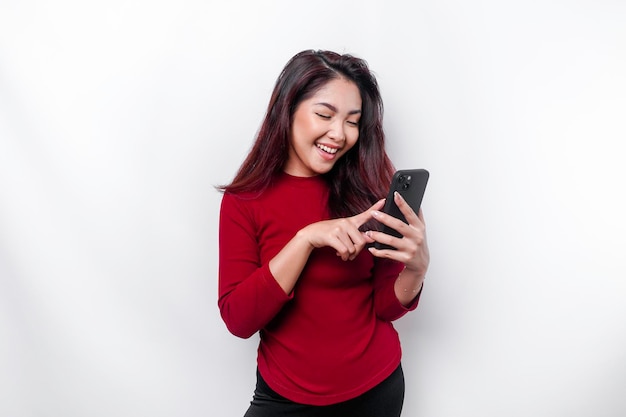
(323, 116)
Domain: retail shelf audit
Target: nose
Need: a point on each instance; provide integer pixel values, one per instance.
(337, 132)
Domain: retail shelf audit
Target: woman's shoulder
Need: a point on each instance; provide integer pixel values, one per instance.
(247, 201)
(242, 202)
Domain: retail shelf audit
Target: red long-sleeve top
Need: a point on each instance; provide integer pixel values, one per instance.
(331, 339)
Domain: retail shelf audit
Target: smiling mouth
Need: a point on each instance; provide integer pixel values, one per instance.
(327, 149)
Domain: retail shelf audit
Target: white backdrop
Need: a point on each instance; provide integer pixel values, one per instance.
(117, 118)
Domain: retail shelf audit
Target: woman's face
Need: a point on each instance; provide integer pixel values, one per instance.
(325, 126)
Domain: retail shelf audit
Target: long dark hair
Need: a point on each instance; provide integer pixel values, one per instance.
(362, 175)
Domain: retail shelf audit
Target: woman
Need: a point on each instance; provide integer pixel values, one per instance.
(296, 260)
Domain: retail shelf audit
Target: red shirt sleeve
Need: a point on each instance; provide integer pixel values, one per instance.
(249, 296)
(386, 304)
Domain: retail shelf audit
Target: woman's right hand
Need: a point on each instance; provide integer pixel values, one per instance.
(342, 234)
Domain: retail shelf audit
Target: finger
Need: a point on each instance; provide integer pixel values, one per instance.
(385, 239)
(359, 241)
(405, 208)
(385, 253)
(362, 218)
(367, 237)
(341, 247)
(352, 241)
(390, 221)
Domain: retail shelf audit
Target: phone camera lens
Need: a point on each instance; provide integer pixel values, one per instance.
(401, 179)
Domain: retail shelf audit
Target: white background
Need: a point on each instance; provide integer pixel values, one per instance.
(117, 118)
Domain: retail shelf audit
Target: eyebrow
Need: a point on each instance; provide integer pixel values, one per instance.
(333, 108)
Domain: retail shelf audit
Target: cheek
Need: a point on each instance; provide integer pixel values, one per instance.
(299, 131)
(351, 139)
(306, 127)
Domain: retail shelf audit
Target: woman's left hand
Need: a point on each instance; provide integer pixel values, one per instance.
(412, 247)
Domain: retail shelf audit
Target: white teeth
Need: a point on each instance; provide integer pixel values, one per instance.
(327, 149)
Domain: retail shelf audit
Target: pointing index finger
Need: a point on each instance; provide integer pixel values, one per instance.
(365, 216)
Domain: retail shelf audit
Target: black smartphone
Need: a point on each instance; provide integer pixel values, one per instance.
(411, 184)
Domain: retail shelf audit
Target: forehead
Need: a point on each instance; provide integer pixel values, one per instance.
(339, 91)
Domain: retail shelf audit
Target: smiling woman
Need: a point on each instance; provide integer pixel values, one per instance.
(293, 229)
(324, 128)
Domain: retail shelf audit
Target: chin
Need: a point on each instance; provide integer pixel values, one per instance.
(324, 170)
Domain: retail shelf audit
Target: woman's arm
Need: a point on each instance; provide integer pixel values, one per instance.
(343, 235)
(251, 294)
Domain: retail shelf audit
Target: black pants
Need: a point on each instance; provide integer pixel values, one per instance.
(384, 400)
